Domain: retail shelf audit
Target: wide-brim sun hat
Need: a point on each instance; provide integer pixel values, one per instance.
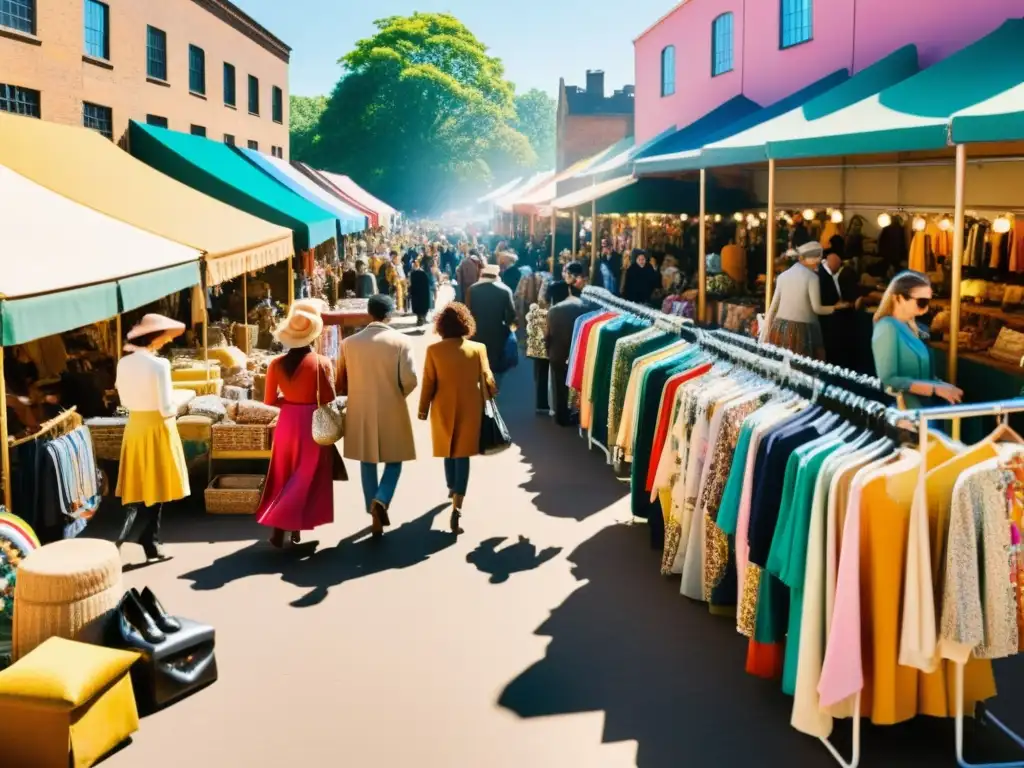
(299, 329)
(154, 323)
(313, 306)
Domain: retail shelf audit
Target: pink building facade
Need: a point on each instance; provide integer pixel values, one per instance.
(710, 56)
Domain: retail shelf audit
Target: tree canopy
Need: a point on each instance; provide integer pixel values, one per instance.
(422, 116)
(535, 119)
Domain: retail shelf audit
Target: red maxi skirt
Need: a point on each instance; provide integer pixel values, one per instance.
(298, 494)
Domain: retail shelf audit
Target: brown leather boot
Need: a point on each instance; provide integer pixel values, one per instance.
(457, 500)
(379, 513)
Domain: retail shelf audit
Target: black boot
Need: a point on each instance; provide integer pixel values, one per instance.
(161, 618)
(130, 513)
(150, 538)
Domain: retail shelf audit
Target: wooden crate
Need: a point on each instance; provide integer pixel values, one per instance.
(241, 437)
(234, 494)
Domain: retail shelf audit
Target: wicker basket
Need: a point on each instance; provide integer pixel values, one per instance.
(238, 332)
(234, 494)
(241, 437)
(107, 436)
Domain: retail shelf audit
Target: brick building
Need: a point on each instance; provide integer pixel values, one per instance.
(200, 66)
(589, 121)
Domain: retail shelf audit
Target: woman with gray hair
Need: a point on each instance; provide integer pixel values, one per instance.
(792, 319)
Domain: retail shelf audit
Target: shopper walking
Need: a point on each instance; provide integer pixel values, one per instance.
(152, 470)
(299, 491)
(537, 349)
(494, 311)
(456, 380)
(421, 287)
(468, 273)
(376, 371)
(566, 307)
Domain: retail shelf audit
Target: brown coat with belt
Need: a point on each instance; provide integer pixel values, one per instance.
(452, 396)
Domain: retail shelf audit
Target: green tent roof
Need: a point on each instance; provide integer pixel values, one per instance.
(751, 146)
(218, 171)
(1000, 118)
(914, 114)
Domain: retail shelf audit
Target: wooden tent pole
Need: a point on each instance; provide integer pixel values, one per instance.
(702, 251)
(245, 310)
(5, 451)
(593, 237)
(770, 240)
(291, 282)
(956, 269)
(117, 338)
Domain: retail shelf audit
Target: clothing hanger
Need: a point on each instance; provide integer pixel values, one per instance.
(1005, 433)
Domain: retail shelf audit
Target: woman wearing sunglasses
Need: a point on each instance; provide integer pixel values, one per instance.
(902, 359)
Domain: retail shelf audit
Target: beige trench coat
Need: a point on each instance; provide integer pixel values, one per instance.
(376, 371)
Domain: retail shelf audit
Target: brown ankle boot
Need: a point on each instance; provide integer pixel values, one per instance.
(379, 513)
(457, 500)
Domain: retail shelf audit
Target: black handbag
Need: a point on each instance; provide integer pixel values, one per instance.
(494, 436)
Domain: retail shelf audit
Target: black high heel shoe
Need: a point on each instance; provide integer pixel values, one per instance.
(161, 618)
(134, 616)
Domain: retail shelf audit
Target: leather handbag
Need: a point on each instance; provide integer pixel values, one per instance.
(328, 418)
(494, 435)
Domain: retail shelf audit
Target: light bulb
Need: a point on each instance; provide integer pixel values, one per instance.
(837, 217)
(945, 225)
(919, 224)
(683, 217)
(763, 216)
(718, 217)
(1001, 225)
(588, 225)
(809, 214)
(737, 216)
(754, 223)
(884, 220)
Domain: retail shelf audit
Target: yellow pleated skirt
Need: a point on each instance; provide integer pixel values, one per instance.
(153, 469)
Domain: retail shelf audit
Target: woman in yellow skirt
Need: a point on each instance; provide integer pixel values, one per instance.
(153, 469)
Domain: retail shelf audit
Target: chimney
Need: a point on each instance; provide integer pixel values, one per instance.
(629, 90)
(595, 82)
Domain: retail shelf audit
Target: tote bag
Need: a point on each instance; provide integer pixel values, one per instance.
(494, 435)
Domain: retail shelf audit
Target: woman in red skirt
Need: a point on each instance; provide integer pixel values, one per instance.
(299, 492)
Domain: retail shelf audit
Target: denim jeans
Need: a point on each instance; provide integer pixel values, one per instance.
(456, 472)
(383, 490)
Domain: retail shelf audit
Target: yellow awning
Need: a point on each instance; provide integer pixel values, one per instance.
(85, 167)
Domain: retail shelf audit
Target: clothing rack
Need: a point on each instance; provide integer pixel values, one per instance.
(61, 424)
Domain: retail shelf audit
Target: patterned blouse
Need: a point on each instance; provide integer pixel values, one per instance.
(536, 329)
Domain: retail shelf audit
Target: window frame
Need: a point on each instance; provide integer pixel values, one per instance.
(27, 22)
(668, 71)
(253, 81)
(277, 104)
(230, 136)
(197, 130)
(109, 117)
(161, 35)
(253, 144)
(234, 85)
(104, 10)
(157, 121)
(196, 69)
(9, 94)
(723, 31)
(792, 10)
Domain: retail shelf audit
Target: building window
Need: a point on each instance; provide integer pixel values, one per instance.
(20, 101)
(797, 24)
(277, 152)
(277, 104)
(721, 45)
(156, 53)
(97, 29)
(668, 71)
(19, 15)
(196, 70)
(254, 145)
(98, 118)
(254, 95)
(229, 84)
(198, 130)
(159, 122)
(229, 139)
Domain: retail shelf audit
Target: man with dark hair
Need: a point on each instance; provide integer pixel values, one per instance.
(366, 283)
(566, 306)
(493, 308)
(576, 275)
(376, 370)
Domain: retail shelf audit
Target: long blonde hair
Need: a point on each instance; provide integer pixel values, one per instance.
(901, 285)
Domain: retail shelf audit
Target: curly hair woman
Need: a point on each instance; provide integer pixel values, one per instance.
(457, 379)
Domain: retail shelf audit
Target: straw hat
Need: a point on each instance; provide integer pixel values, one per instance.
(313, 306)
(491, 270)
(300, 329)
(153, 323)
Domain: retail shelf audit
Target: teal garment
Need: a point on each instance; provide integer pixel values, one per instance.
(607, 336)
(729, 509)
(901, 358)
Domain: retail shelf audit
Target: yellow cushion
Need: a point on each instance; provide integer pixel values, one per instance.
(64, 674)
(196, 373)
(228, 357)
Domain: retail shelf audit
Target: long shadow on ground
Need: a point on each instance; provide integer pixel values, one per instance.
(318, 570)
(671, 677)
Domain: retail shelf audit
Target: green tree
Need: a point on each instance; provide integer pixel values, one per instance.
(535, 118)
(422, 116)
(304, 118)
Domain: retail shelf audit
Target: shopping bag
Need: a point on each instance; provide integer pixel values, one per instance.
(494, 435)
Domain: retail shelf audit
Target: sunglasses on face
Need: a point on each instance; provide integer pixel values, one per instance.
(922, 302)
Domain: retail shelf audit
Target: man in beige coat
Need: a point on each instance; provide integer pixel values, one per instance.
(377, 372)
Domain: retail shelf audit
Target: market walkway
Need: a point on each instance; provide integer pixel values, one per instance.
(543, 637)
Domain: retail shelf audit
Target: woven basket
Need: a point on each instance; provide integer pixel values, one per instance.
(211, 387)
(241, 437)
(238, 332)
(234, 494)
(106, 438)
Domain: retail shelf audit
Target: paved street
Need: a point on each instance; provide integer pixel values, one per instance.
(543, 637)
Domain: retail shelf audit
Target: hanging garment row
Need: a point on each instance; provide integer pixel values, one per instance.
(789, 506)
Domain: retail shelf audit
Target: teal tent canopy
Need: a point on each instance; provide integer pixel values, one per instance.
(217, 170)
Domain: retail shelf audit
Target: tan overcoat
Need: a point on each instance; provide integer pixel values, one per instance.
(376, 370)
(453, 397)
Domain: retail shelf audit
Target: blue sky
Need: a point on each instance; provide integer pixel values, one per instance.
(539, 40)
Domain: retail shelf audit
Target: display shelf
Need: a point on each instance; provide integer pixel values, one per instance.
(240, 455)
(982, 359)
(1013, 319)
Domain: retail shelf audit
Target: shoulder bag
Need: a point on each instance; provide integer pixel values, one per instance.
(494, 435)
(328, 418)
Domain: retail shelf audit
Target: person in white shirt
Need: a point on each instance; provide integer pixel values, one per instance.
(153, 469)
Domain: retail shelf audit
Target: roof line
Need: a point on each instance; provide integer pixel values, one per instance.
(649, 29)
(235, 17)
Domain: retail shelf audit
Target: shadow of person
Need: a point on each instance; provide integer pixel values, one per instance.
(354, 557)
(516, 558)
